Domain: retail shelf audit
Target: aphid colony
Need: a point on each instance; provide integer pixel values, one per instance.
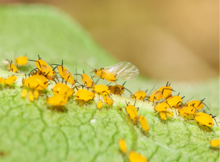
(165, 104)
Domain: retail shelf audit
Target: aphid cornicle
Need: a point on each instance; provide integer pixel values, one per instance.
(122, 145)
(144, 124)
(21, 61)
(136, 157)
(215, 143)
(38, 82)
(12, 67)
(57, 100)
(132, 112)
(124, 70)
(10, 80)
(84, 95)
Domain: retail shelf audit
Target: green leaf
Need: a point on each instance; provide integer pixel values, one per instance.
(35, 132)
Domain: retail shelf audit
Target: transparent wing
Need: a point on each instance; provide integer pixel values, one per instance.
(124, 70)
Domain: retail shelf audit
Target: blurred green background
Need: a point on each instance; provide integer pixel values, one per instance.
(167, 40)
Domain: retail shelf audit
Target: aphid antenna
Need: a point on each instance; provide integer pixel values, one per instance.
(206, 105)
(88, 65)
(124, 83)
(9, 61)
(167, 83)
(32, 60)
(32, 71)
(55, 66)
(178, 94)
(39, 57)
(128, 91)
(182, 97)
(189, 99)
(76, 72)
(213, 117)
(109, 84)
(152, 89)
(97, 81)
(135, 102)
(146, 91)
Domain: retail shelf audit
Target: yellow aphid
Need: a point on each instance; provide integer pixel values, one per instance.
(30, 96)
(174, 101)
(87, 80)
(166, 90)
(1, 80)
(144, 123)
(10, 80)
(155, 96)
(21, 61)
(36, 94)
(163, 106)
(215, 143)
(185, 111)
(57, 100)
(109, 76)
(46, 69)
(165, 114)
(101, 89)
(139, 95)
(132, 112)
(64, 89)
(204, 119)
(12, 67)
(136, 157)
(124, 70)
(66, 75)
(197, 104)
(99, 104)
(108, 100)
(24, 93)
(122, 145)
(38, 82)
(84, 95)
(117, 89)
